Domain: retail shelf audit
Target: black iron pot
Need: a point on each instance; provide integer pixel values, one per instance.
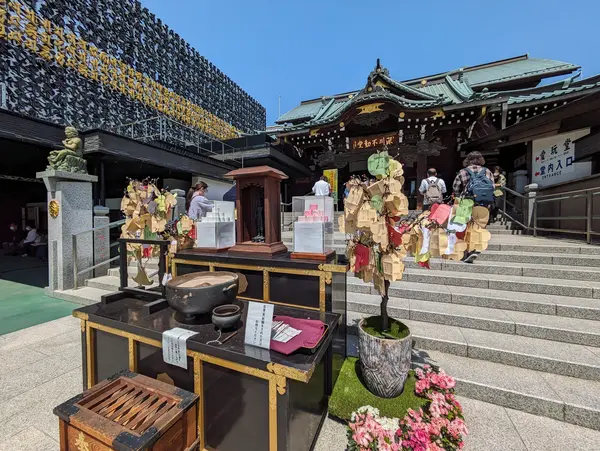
(200, 300)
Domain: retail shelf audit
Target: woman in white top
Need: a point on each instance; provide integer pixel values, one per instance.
(197, 204)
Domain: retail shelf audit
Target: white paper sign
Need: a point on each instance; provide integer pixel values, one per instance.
(259, 323)
(174, 346)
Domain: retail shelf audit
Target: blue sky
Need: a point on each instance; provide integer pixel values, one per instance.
(305, 49)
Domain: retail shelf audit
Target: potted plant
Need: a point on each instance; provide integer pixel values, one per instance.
(376, 252)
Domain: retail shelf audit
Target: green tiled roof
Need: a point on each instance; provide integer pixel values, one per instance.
(555, 93)
(525, 68)
(450, 88)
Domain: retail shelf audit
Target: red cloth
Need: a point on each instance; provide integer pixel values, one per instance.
(312, 332)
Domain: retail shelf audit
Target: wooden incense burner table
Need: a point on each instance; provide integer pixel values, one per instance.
(311, 284)
(249, 398)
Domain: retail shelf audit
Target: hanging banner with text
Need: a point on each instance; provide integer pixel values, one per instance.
(373, 142)
(553, 158)
(332, 178)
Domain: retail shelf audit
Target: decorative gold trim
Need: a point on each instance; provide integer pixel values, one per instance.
(322, 293)
(199, 390)
(281, 384)
(250, 299)
(272, 415)
(314, 132)
(287, 372)
(303, 272)
(80, 315)
(211, 268)
(53, 209)
(81, 444)
(89, 348)
(333, 268)
(266, 286)
(382, 84)
(370, 108)
(133, 358)
(316, 309)
(82, 325)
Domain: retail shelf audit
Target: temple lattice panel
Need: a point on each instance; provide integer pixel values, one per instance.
(104, 63)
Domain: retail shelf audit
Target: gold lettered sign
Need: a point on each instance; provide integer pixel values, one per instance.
(53, 209)
(373, 142)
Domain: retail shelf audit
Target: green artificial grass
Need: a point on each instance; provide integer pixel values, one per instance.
(350, 393)
(372, 326)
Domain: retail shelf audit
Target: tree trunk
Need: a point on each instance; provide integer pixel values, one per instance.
(385, 320)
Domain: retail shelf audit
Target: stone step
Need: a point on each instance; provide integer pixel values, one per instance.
(565, 306)
(506, 232)
(562, 287)
(563, 398)
(540, 245)
(524, 352)
(83, 296)
(545, 271)
(550, 327)
(540, 258)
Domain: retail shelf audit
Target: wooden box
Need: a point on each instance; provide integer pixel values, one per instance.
(129, 412)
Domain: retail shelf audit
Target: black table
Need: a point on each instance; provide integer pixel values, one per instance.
(250, 398)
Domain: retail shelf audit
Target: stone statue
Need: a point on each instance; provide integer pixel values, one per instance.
(69, 159)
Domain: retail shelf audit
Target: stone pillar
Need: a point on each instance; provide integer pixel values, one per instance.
(530, 193)
(180, 207)
(69, 212)
(101, 240)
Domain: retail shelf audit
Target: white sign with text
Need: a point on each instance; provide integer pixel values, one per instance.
(259, 323)
(175, 347)
(553, 158)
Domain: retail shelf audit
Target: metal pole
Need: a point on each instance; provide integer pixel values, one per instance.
(123, 275)
(504, 208)
(534, 218)
(588, 215)
(75, 261)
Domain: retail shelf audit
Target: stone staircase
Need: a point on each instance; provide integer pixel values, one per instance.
(519, 328)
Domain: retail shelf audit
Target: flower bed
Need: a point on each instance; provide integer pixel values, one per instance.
(439, 426)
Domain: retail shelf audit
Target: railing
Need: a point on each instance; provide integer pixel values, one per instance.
(167, 130)
(78, 272)
(528, 209)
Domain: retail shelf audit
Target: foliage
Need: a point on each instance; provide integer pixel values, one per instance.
(436, 427)
(350, 393)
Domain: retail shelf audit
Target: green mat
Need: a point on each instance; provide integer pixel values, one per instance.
(24, 306)
(350, 393)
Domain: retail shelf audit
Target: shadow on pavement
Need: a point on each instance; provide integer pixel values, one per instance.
(24, 270)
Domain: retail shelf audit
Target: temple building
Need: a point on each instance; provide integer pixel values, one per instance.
(432, 121)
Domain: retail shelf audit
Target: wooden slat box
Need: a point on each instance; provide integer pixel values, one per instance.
(128, 412)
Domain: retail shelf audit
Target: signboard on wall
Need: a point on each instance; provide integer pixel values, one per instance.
(373, 142)
(553, 159)
(332, 178)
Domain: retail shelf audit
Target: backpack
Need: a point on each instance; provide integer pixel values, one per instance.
(480, 188)
(433, 195)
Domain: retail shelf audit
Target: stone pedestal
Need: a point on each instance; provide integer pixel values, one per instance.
(180, 207)
(101, 240)
(69, 212)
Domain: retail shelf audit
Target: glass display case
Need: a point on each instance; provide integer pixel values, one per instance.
(313, 225)
(216, 229)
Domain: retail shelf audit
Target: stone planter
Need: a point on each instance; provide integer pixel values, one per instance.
(384, 362)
